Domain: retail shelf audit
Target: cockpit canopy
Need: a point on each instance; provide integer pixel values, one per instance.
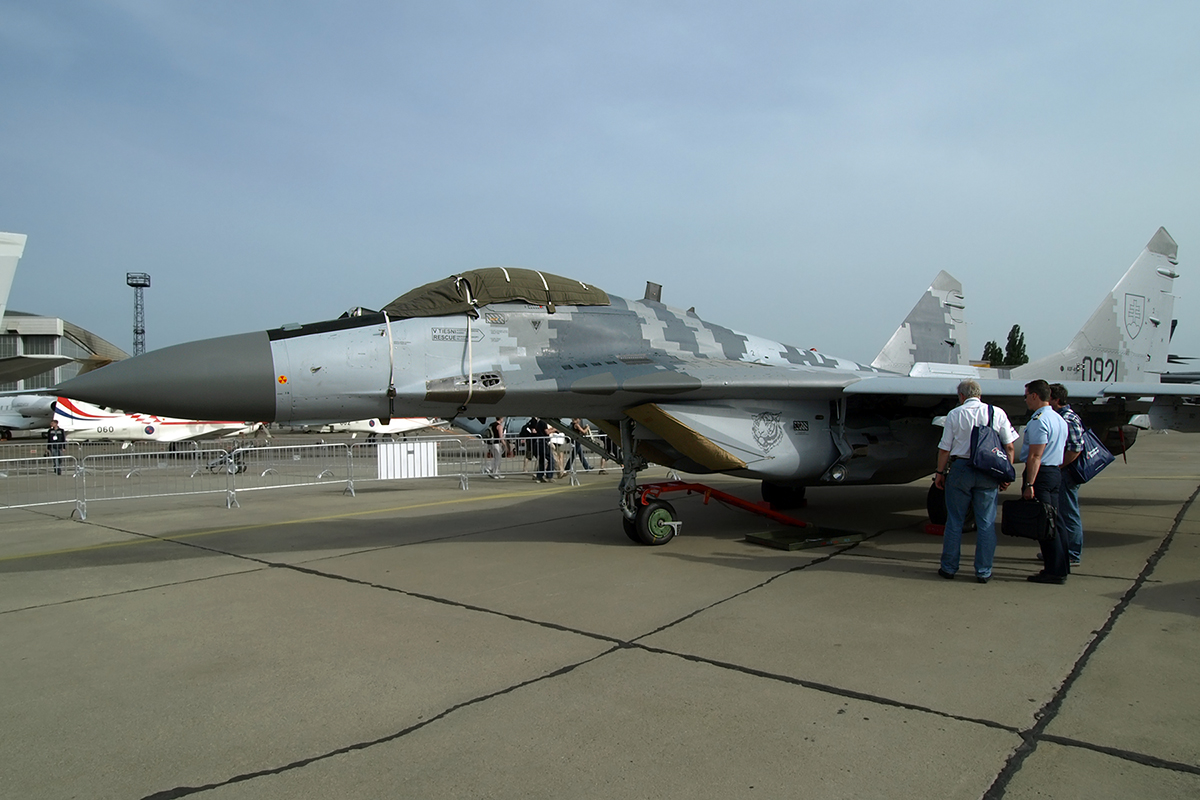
(468, 291)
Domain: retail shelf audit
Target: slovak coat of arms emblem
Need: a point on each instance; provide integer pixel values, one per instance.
(1135, 314)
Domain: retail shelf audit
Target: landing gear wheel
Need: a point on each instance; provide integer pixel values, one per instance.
(935, 504)
(783, 497)
(631, 531)
(652, 519)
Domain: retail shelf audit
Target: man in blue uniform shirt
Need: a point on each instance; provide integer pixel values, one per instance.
(1042, 451)
(965, 486)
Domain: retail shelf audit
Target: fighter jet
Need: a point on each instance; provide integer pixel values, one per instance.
(675, 389)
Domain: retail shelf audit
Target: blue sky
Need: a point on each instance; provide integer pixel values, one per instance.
(797, 170)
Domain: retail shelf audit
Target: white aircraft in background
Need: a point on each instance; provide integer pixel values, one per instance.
(24, 412)
(86, 422)
(373, 427)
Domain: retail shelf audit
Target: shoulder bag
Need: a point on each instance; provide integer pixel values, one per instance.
(1095, 457)
(988, 454)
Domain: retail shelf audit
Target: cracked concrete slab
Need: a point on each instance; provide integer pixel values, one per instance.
(510, 641)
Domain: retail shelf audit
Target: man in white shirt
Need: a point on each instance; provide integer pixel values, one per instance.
(965, 486)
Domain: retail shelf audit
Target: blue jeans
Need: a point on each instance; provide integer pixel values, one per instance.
(545, 459)
(1070, 522)
(965, 486)
(577, 451)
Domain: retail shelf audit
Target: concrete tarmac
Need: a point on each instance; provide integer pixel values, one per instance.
(509, 641)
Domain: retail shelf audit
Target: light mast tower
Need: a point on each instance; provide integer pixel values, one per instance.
(139, 281)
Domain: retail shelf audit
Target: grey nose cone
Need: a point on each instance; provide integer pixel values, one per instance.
(230, 378)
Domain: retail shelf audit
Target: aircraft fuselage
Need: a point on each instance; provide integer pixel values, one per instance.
(772, 410)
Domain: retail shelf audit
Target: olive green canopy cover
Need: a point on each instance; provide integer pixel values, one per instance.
(468, 291)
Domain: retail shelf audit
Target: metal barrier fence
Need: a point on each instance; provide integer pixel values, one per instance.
(34, 448)
(518, 457)
(39, 481)
(467, 457)
(126, 476)
(279, 466)
(97, 471)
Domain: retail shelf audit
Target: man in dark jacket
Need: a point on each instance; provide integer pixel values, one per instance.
(56, 439)
(541, 447)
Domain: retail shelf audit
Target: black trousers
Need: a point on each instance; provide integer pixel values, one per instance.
(1054, 552)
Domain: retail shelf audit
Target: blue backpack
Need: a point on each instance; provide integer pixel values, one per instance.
(988, 454)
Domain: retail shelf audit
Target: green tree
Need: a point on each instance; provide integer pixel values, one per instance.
(1014, 351)
(992, 354)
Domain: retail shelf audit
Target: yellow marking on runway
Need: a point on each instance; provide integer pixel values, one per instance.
(1161, 477)
(149, 538)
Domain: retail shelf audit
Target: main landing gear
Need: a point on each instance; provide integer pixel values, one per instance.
(782, 497)
(935, 505)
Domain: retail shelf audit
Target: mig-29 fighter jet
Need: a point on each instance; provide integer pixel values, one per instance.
(678, 390)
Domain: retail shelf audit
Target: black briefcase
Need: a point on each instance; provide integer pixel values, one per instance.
(1028, 519)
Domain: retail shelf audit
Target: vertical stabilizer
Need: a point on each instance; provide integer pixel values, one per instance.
(12, 245)
(1126, 338)
(933, 331)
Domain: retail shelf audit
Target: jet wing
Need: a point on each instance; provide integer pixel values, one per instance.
(1010, 394)
(16, 368)
(621, 381)
(17, 422)
(998, 387)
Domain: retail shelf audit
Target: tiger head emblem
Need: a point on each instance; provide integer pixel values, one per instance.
(768, 430)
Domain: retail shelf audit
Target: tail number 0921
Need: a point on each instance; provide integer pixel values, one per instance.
(1098, 369)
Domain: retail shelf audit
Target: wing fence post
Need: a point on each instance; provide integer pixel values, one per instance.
(80, 490)
(463, 482)
(231, 500)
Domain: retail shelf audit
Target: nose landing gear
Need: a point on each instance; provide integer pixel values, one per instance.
(655, 523)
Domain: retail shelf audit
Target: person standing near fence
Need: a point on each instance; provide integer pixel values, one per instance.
(528, 433)
(542, 451)
(495, 436)
(56, 439)
(580, 428)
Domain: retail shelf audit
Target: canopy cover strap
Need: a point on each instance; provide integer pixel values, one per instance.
(466, 292)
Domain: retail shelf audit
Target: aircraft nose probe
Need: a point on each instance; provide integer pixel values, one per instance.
(231, 377)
